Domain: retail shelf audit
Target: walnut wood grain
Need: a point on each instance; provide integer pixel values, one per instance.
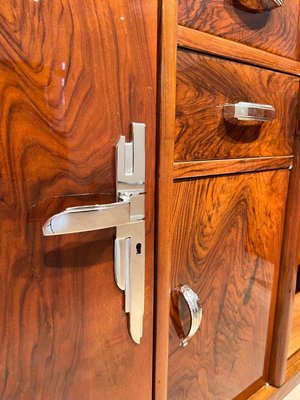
(73, 75)
(275, 31)
(287, 390)
(292, 380)
(193, 169)
(207, 43)
(288, 272)
(294, 342)
(167, 99)
(227, 234)
(205, 84)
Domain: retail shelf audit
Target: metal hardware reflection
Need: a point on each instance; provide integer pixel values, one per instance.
(243, 111)
(127, 215)
(259, 6)
(195, 310)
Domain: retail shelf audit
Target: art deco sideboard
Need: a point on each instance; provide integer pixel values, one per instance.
(149, 199)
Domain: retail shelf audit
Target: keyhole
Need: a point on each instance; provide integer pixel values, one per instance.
(138, 248)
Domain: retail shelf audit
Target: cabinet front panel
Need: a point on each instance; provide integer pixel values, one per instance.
(226, 246)
(73, 75)
(205, 84)
(247, 21)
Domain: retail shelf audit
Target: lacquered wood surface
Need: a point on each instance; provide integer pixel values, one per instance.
(205, 84)
(294, 342)
(194, 169)
(270, 392)
(276, 31)
(288, 272)
(167, 99)
(226, 247)
(207, 43)
(73, 75)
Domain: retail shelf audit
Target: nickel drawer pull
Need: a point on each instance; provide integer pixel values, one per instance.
(257, 6)
(243, 111)
(195, 310)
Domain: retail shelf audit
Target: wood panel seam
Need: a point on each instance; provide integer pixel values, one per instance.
(214, 45)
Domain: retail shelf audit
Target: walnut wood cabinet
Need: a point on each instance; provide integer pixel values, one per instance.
(228, 198)
(262, 24)
(221, 202)
(73, 76)
(226, 247)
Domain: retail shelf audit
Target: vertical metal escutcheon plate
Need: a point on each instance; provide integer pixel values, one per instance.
(127, 214)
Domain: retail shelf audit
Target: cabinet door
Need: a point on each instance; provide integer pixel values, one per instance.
(226, 247)
(73, 76)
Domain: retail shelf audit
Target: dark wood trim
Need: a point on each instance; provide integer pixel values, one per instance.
(294, 341)
(288, 272)
(250, 390)
(292, 380)
(287, 388)
(167, 101)
(207, 43)
(195, 169)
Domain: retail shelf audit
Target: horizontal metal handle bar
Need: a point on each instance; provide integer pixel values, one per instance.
(244, 111)
(88, 218)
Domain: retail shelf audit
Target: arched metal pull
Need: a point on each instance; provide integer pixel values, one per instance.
(195, 310)
(257, 6)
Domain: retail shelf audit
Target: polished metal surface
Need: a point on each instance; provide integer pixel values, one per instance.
(259, 6)
(195, 310)
(130, 254)
(244, 111)
(130, 161)
(127, 215)
(134, 272)
(88, 218)
(122, 260)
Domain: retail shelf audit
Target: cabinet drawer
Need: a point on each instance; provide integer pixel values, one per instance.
(226, 247)
(205, 84)
(276, 31)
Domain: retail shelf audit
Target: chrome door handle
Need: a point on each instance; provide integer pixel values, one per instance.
(128, 216)
(257, 6)
(88, 218)
(243, 111)
(195, 309)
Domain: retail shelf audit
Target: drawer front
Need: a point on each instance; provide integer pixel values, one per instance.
(276, 31)
(205, 84)
(226, 247)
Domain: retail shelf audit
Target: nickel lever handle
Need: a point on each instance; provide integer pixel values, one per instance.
(128, 216)
(88, 218)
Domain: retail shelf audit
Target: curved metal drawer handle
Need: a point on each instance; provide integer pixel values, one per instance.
(251, 112)
(257, 6)
(195, 310)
